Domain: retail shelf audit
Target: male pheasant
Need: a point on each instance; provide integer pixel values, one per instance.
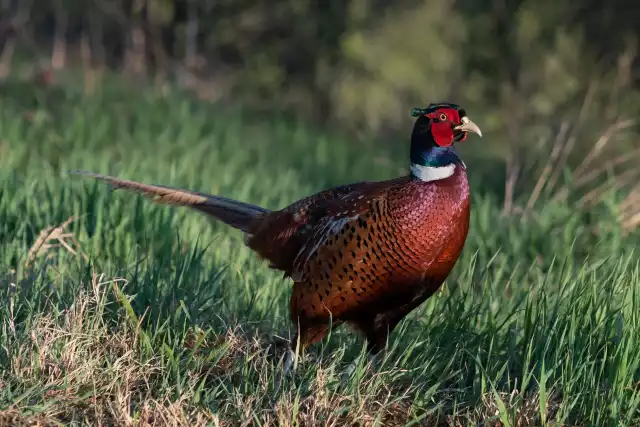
(365, 254)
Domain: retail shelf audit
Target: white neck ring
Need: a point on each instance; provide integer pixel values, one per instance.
(432, 173)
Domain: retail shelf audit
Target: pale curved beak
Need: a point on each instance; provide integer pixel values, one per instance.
(468, 126)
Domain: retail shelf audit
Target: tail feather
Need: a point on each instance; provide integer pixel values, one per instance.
(237, 214)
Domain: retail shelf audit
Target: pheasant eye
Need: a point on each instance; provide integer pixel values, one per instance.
(443, 117)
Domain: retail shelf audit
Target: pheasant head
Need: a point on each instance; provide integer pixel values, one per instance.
(437, 128)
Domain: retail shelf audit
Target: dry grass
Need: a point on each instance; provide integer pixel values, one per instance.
(54, 237)
(87, 370)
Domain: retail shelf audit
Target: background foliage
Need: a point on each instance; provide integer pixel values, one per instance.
(535, 74)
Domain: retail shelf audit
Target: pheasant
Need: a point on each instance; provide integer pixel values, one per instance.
(364, 254)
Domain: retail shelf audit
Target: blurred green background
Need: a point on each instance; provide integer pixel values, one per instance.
(552, 83)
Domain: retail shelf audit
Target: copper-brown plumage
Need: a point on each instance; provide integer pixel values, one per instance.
(368, 254)
(365, 254)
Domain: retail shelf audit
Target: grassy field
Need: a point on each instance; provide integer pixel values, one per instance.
(118, 311)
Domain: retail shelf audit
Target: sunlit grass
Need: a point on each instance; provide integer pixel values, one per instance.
(155, 315)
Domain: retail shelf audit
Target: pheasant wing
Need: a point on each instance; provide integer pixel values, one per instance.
(281, 235)
(340, 221)
(347, 259)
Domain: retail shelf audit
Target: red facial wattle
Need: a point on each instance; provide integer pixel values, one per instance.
(442, 122)
(442, 133)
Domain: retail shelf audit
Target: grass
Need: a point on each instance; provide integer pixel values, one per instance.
(117, 311)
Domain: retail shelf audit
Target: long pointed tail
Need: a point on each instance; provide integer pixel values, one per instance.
(232, 212)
